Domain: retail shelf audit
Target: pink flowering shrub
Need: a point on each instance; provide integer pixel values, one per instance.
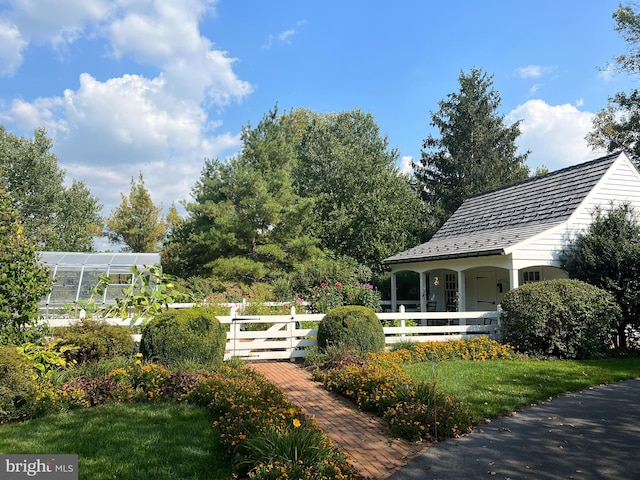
(331, 294)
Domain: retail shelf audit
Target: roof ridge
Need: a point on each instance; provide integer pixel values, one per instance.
(549, 174)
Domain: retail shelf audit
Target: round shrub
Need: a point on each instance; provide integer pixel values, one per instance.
(17, 387)
(560, 318)
(192, 334)
(95, 340)
(355, 327)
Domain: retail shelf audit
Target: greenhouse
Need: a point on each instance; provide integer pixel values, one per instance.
(76, 274)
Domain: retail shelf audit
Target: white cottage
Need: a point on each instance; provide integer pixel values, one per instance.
(500, 239)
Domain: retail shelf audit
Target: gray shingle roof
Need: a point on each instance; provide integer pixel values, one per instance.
(489, 222)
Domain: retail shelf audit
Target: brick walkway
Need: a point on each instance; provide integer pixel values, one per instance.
(375, 455)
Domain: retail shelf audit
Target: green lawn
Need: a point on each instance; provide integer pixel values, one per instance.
(126, 441)
(497, 387)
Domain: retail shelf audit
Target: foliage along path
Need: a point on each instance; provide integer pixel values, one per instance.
(361, 435)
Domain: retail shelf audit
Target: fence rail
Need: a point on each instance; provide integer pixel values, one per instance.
(270, 337)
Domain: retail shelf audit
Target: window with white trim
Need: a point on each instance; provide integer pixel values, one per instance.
(530, 276)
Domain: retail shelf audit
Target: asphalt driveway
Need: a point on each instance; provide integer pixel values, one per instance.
(591, 434)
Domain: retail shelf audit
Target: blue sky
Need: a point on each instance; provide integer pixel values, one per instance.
(156, 86)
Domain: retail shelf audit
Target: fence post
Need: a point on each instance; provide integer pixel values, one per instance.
(291, 328)
(234, 335)
(402, 321)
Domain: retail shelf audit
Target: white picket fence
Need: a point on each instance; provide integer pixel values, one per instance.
(271, 337)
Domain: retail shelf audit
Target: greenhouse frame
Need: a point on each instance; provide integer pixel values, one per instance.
(75, 275)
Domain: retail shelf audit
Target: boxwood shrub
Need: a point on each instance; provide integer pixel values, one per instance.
(192, 335)
(355, 327)
(560, 318)
(95, 340)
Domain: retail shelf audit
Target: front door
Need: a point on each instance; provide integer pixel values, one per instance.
(486, 290)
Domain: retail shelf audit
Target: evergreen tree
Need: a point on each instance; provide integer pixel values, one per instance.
(245, 223)
(475, 151)
(137, 222)
(23, 281)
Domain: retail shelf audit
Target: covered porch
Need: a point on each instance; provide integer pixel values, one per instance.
(470, 284)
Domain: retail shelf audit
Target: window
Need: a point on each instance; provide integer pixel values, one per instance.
(451, 292)
(530, 277)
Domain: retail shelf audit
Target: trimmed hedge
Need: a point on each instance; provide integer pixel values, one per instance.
(95, 340)
(192, 334)
(561, 318)
(355, 327)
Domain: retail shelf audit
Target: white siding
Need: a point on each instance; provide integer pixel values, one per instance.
(621, 183)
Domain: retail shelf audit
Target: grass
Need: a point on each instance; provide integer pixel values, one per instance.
(126, 441)
(497, 387)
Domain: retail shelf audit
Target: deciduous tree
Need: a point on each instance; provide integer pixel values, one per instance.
(618, 125)
(54, 217)
(476, 151)
(365, 207)
(137, 222)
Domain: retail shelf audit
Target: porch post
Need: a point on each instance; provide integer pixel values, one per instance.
(513, 279)
(462, 292)
(394, 293)
(423, 291)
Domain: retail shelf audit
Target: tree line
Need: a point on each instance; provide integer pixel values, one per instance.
(310, 196)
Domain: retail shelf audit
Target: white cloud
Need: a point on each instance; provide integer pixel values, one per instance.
(555, 134)
(106, 132)
(406, 164)
(533, 71)
(11, 46)
(534, 89)
(57, 22)
(157, 34)
(286, 36)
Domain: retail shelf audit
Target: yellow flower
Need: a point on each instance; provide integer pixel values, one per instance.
(296, 422)
(139, 355)
(138, 362)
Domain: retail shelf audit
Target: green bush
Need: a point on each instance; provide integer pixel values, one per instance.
(193, 334)
(17, 386)
(560, 318)
(95, 340)
(329, 295)
(356, 327)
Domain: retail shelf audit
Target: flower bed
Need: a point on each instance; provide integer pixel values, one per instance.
(412, 410)
(266, 436)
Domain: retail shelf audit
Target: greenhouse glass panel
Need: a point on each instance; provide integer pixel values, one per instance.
(76, 274)
(65, 287)
(89, 281)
